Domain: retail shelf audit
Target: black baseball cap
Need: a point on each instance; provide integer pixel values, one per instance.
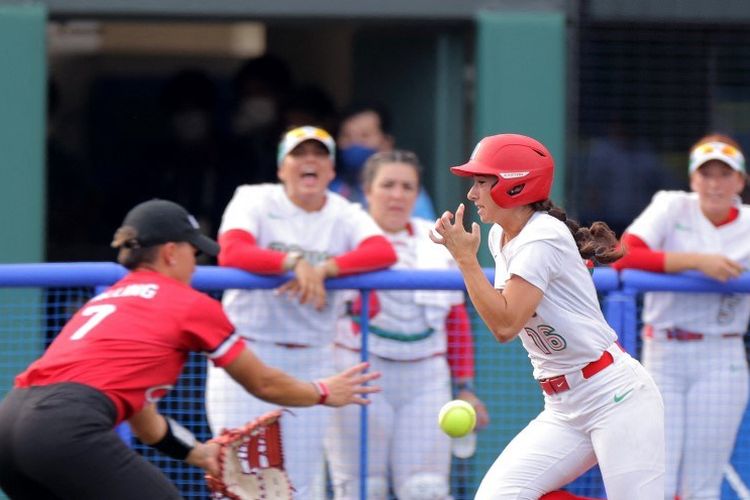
(160, 221)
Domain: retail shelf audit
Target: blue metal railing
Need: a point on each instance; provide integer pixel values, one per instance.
(619, 292)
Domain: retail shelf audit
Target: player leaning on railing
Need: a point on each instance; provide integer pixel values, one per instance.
(118, 356)
(707, 230)
(600, 405)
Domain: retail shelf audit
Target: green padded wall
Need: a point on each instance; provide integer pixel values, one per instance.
(520, 63)
(22, 136)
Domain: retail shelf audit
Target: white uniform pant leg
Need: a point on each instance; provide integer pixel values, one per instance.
(664, 360)
(543, 457)
(342, 441)
(715, 405)
(627, 434)
(420, 389)
(229, 405)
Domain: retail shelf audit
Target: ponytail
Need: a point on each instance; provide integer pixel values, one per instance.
(597, 242)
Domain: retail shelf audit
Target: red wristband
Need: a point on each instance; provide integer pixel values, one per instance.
(322, 391)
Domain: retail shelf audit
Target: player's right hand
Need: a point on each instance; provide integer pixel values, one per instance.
(308, 285)
(348, 386)
(719, 267)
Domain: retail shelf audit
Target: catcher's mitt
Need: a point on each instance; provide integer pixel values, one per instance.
(251, 462)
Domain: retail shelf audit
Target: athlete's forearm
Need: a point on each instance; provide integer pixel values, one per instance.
(371, 254)
(675, 262)
(239, 249)
(488, 302)
(270, 384)
(460, 344)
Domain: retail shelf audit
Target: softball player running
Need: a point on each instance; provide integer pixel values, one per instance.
(600, 404)
(707, 230)
(302, 227)
(117, 357)
(408, 343)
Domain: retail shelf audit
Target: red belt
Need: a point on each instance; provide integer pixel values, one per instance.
(684, 335)
(556, 385)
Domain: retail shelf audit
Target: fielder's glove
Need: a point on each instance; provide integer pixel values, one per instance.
(251, 462)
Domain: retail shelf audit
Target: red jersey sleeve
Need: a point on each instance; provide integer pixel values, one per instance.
(210, 331)
(373, 253)
(239, 249)
(460, 343)
(638, 255)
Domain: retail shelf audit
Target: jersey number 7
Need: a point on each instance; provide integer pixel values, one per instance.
(97, 314)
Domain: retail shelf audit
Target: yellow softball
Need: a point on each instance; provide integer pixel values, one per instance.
(457, 418)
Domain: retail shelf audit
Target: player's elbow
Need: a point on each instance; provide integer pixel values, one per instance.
(504, 333)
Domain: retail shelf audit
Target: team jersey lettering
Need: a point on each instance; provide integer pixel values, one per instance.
(97, 314)
(142, 290)
(311, 256)
(545, 338)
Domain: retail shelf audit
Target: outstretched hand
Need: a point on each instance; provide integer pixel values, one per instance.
(449, 231)
(348, 387)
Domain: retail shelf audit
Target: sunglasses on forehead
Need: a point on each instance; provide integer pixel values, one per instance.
(720, 147)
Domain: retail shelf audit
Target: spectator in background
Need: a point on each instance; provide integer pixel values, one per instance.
(414, 337)
(70, 193)
(621, 173)
(309, 105)
(260, 88)
(185, 164)
(365, 129)
(297, 226)
(707, 230)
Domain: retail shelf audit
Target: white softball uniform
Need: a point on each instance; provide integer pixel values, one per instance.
(615, 417)
(407, 342)
(283, 333)
(704, 381)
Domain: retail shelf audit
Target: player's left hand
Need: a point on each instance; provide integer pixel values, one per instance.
(205, 456)
(451, 233)
(483, 416)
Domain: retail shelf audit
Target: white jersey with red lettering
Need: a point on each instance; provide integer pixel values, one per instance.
(568, 330)
(673, 222)
(410, 324)
(131, 341)
(269, 215)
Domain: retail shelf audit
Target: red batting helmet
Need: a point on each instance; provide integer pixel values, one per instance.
(523, 166)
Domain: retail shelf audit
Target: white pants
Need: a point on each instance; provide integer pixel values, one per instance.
(704, 384)
(229, 405)
(615, 418)
(403, 435)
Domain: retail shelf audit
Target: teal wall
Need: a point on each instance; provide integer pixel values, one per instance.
(418, 75)
(22, 144)
(22, 136)
(520, 62)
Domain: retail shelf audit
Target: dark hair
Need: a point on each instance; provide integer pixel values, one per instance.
(374, 162)
(597, 242)
(131, 254)
(360, 107)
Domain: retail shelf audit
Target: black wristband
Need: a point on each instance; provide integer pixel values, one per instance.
(464, 385)
(178, 442)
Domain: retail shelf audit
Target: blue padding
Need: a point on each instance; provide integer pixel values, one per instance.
(689, 281)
